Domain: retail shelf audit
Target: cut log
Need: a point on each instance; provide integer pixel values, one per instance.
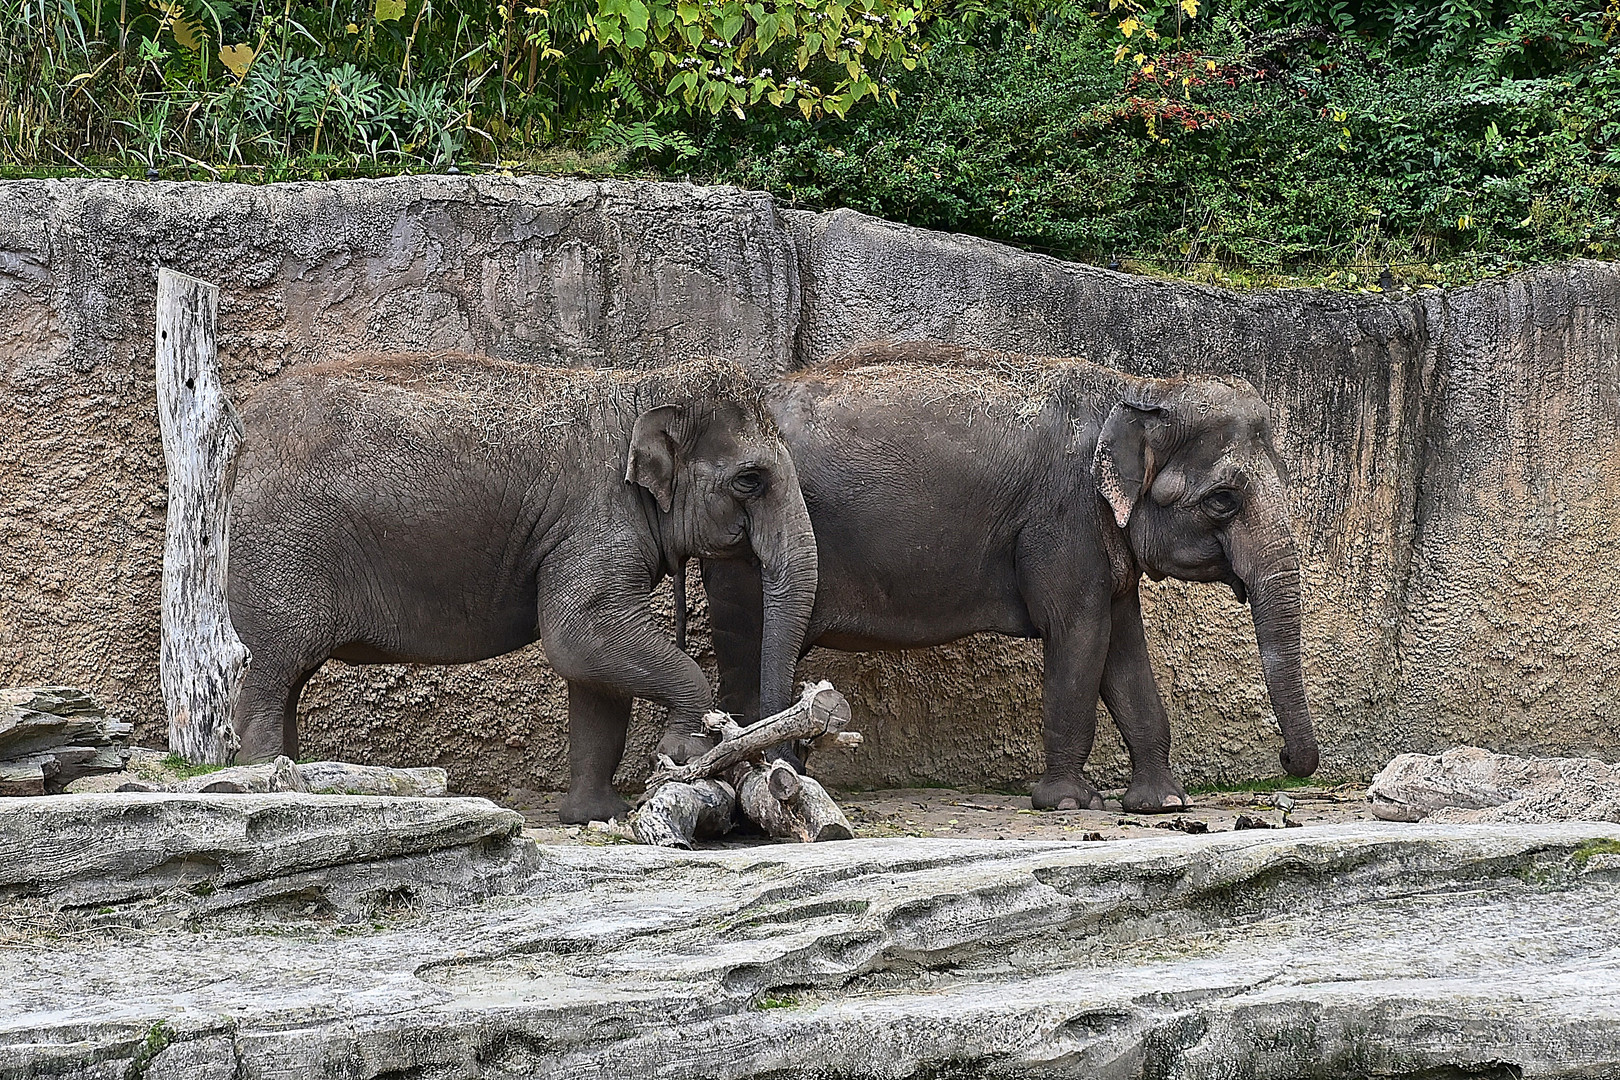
(773, 794)
(678, 814)
(341, 778)
(820, 711)
(807, 814)
(202, 661)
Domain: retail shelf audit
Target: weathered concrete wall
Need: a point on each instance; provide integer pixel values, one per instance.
(1454, 453)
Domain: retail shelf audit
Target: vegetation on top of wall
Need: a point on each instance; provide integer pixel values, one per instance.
(1341, 142)
(1263, 143)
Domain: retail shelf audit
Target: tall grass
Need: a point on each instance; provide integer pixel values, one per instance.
(223, 84)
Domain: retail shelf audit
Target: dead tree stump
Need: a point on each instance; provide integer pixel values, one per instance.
(202, 660)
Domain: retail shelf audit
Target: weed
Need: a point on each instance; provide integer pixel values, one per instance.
(1585, 853)
(186, 770)
(157, 1039)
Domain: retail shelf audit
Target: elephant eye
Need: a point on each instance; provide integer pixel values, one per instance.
(748, 482)
(1222, 504)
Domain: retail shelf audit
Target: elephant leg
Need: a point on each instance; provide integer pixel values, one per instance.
(1132, 697)
(597, 722)
(618, 649)
(266, 712)
(736, 617)
(1069, 685)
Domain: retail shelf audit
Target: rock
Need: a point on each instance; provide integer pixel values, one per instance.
(1364, 950)
(1468, 784)
(51, 736)
(200, 855)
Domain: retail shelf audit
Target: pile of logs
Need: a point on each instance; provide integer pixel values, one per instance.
(701, 799)
(52, 735)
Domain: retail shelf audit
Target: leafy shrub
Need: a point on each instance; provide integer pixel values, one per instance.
(1252, 147)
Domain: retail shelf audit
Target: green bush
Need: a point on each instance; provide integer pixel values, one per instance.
(392, 83)
(1254, 147)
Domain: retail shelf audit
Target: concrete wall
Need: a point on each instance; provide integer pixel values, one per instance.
(1454, 454)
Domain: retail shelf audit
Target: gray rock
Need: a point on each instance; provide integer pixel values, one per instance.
(1470, 785)
(189, 856)
(1366, 950)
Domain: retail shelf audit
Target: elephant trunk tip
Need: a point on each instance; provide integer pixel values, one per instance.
(1300, 760)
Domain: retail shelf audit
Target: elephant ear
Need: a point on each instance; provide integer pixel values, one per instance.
(652, 453)
(1124, 463)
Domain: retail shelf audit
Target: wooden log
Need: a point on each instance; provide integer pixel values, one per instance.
(807, 813)
(202, 660)
(678, 814)
(820, 711)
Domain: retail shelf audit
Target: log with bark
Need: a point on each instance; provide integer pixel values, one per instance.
(685, 802)
(52, 735)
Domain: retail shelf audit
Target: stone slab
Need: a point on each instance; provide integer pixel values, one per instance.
(1373, 949)
(193, 855)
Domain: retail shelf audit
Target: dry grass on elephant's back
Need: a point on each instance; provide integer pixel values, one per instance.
(500, 400)
(1011, 387)
(1005, 386)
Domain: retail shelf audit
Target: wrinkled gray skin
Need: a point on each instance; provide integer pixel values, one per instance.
(957, 492)
(447, 509)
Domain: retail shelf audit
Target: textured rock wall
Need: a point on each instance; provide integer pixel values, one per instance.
(1454, 453)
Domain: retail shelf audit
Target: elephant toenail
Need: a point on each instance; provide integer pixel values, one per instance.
(1068, 804)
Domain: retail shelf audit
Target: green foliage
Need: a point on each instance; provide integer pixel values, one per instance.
(185, 770)
(399, 83)
(1591, 849)
(822, 57)
(1252, 151)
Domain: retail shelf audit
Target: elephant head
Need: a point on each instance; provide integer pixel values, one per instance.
(724, 487)
(1188, 469)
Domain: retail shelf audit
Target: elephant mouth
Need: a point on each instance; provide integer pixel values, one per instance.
(1239, 590)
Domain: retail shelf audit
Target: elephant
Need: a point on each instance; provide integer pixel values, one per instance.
(954, 491)
(444, 509)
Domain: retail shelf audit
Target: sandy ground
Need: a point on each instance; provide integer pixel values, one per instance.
(972, 815)
(943, 812)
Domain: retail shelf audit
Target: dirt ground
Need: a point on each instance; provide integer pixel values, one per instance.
(974, 815)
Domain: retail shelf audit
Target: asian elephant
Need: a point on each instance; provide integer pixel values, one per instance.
(446, 509)
(955, 491)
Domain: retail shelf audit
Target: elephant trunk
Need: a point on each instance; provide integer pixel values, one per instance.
(1266, 559)
(786, 548)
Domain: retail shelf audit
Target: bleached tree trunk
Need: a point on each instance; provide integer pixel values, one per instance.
(202, 660)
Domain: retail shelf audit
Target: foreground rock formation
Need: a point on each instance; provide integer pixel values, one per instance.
(51, 736)
(1366, 950)
(1468, 785)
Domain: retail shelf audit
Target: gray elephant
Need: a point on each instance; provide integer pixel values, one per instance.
(957, 491)
(448, 509)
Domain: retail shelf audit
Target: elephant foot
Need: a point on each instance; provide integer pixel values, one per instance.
(1155, 795)
(680, 748)
(583, 807)
(1065, 793)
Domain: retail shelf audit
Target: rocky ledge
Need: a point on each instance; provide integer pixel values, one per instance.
(1374, 949)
